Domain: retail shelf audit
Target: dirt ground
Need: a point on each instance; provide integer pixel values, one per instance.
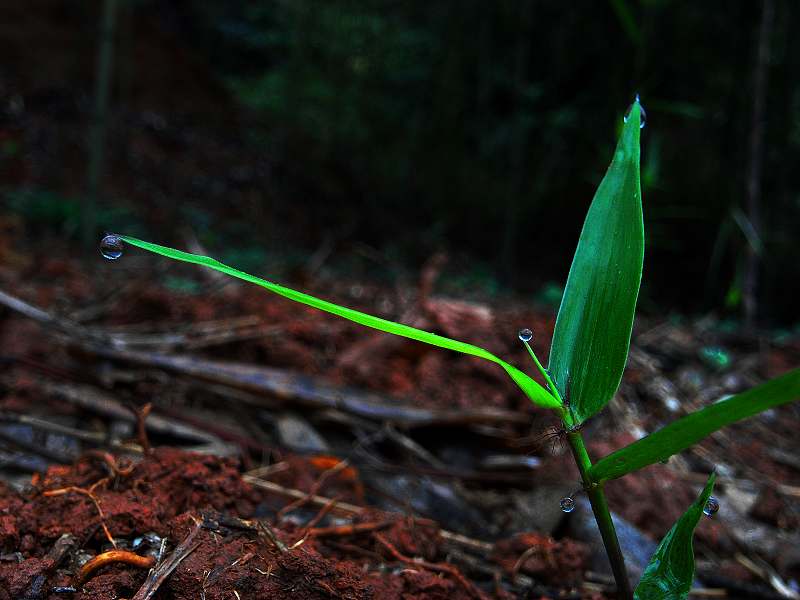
(173, 494)
(428, 513)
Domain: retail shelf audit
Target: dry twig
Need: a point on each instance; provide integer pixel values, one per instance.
(315, 488)
(159, 574)
(437, 567)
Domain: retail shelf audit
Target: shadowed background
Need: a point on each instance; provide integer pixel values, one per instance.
(366, 133)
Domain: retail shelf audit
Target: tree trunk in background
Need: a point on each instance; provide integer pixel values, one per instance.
(517, 145)
(750, 284)
(97, 135)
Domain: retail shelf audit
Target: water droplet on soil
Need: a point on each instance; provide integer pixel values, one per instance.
(711, 507)
(526, 335)
(111, 247)
(642, 113)
(567, 504)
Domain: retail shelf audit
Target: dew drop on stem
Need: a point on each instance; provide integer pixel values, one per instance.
(711, 507)
(526, 335)
(567, 504)
(111, 246)
(642, 113)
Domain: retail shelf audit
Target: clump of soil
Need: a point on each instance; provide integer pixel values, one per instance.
(173, 494)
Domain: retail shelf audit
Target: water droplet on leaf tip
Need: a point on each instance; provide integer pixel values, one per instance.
(642, 113)
(526, 335)
(111, 246)
(711, 507)
(567, 504)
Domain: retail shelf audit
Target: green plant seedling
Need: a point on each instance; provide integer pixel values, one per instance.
(590, 348)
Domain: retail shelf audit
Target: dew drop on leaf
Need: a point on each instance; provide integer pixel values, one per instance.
(526, 335)
(711, 507)
(111, 246)
(567, 504)
(642, 113)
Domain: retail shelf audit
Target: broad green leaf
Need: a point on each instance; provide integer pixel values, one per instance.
(535, 392)
(692, 428)
(670, 573)
(593, 328)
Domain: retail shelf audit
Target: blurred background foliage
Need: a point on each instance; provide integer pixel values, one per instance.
(479, 128)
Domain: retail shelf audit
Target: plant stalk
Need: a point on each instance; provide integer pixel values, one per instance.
(750, 284)
(97, 134)
(602, 515)
(553, 389)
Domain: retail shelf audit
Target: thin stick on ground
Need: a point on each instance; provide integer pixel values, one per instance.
(341, 508)
(348, 530)
(315, 520)
(521, 561)
(423, 564)
(265, 529)
(323, 512)
(341, 465)
(347, 509)
(159, 574)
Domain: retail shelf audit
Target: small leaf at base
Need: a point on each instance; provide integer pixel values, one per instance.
(670, 573)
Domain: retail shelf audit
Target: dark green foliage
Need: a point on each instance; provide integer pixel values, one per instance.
(670, 572)
(692, 428)
(593, 329)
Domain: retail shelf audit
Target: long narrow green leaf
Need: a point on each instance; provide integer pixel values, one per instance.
(593, 328)
(535, 392)
(670, 572)
(692, 428)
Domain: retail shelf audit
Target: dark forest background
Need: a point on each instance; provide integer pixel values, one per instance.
(374, 133)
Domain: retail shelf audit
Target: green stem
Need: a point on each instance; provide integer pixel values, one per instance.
(602, 515)
(545, 374)
(564, 412)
